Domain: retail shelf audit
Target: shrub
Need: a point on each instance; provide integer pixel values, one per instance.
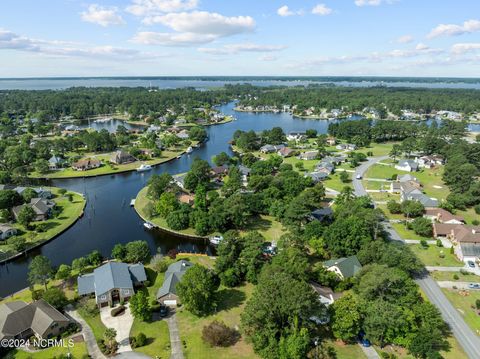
(455, 276)
(41, 227)
(141, 339)
(452, 250)
(477, 209)
(422, 227)
(394, 207)
(475, 222)
(159, 263)
(172, 253)
(477, 304)
(219, 335)
(439, 243)
(423, 243)
(441, 255)
(117, 311)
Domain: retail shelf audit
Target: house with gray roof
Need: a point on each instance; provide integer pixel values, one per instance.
(407, 165)
(6, 231)
(19, 320)
(317, 176)
(41, 207)
(343, 267)
(112, 282)
(55, 162)
(167, 294)
(179, 180)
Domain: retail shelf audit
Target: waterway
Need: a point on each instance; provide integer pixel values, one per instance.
(108, 217)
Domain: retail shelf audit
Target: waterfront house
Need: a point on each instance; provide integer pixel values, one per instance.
(54, 163)
(86, 164)
(308, 156)
(19, 320)
(6, 231)
(185, 198)
(296, 136)
(407, 165)
(41, 207)
(331, 141)
(271, 148)
(245, 172)
(179, 180)
(167, 293)
(41, 192)
(183, 134)
(343, 267)
(121, 157)
(112, 282)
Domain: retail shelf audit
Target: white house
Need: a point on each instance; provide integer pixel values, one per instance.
(7, 231)
(407, 165)
(296, 136)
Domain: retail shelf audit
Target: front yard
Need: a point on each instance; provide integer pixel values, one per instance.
(78, 351)
(464, 302)
(431, 256)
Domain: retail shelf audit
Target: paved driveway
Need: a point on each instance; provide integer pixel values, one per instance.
(122, 324)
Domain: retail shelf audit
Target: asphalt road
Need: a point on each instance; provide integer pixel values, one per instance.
(468, 340)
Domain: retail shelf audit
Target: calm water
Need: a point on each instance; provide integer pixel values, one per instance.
(163, 83)
(111, 125)
(108, 217)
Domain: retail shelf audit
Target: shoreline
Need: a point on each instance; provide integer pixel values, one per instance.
(164, 229)
(41, 243)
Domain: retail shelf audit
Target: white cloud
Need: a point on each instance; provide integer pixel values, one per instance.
(12, 41)
(103, 16)
(197, 27)
(321, 9)
(285, 11)
(154, 7)
(465, 47)
(268, 58)
(405, 39)
(244, 47)
(368, 2)
(171, 39)
(468, 26)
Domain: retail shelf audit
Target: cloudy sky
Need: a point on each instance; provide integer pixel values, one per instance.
(239, 37)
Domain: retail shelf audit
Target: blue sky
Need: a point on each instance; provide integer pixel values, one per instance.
(239, 37)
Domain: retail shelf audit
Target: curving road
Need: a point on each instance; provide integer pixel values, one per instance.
(468, 340)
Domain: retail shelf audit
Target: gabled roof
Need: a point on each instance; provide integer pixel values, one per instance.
(173, 275)
(442, 215)
(406, 162)
(18, 316)
(348, 266)
(110, 276)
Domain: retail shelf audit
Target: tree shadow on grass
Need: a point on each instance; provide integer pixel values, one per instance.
(229, 298)
(259, 224)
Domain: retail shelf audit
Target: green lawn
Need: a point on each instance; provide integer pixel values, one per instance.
(376, 185)
(407, 233)
(78, 351)
(333, 181)
(469, 215)
(94, 322)
(232, 302)
(271, 229)
(158, 338)
(378, 149)
(465, 304)
(70, 212)
(384, 196)
(462, 277)
(346, 351)
(431, 256)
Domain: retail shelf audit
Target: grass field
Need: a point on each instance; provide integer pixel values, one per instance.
(333, 181)
(158, 338)
(346, 351)
(98, 328)
(78, 351)
(70, 212)
(465, 304)
(378, 149)
(442, 276)
(384, 196)
(407, 233)
(431, 256)
(231, 304)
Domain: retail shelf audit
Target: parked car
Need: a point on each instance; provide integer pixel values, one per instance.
(163, 311)
(474, 285)
(359, 176)
(366, 343)
(471, 264)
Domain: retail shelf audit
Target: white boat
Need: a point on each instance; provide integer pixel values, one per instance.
(215, 240)
(149, 225)
(144, 167)
(189, 150)
(132, 202)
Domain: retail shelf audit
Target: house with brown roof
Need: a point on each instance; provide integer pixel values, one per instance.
(285, 152)
(185, 198)
(19, 320)
(325, 294)
(86, 164)
(122, 157)
(465, 239)
(441, 215)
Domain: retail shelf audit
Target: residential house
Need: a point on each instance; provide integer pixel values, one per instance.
(54, 163)
(429, 161)
(323, 214)
(296, 136)
(121, 157)
(331, 141)
(343, 267)
(186, 198)
(407, 165)
(411, 193)
(285, 152)
(167, 293)
(7, 231)
(325, 294)
(404, 182)
(41, 192)
(245, 172)
(465, 239)
(183, 134)
(86, 164)
(308, 156)
(271, 148)
(19, 320)
(41, 207)
(317, 176)
(441, 215)
(219, 171)
(326, 167)
(112, 282)
(346, 147)
(179, 180)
